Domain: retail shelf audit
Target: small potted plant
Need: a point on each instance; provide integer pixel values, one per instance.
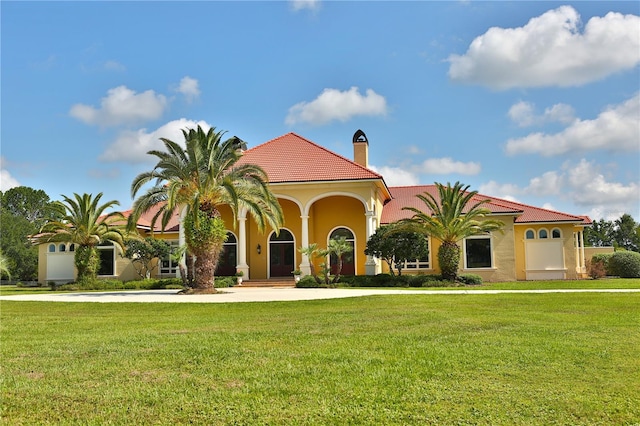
(296, 274)
(239, 276)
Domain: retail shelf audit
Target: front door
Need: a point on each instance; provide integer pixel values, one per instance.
(281, 254)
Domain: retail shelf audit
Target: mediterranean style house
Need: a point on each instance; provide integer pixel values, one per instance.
(325, 195)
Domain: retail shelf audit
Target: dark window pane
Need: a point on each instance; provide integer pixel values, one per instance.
(478, 253)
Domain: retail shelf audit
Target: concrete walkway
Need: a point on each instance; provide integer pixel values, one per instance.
(249, 294)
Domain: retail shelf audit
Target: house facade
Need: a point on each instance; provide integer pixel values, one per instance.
(325, 195)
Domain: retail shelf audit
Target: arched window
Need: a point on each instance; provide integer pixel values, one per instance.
(530, 235)
(556, 233)
(229, 257)
(542, 234)
(62, 248)
(348, 259)
(52, 248)
(72, 247)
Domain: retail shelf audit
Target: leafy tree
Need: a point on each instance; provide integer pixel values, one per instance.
(145, 254)
(4, 266)
(84, 223)
(23, 211)
(202, 177)
(600, 234)
(626, 233)
(395, 246)
(31, 204)
(454, 215)
(20, 253)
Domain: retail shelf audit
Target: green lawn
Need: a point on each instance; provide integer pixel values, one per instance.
(510, 359)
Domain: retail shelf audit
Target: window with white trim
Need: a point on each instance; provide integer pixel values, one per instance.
(107, 253)
(422, 263)
(543, 234)
(556, 233)
(169, 265)
(478, 252)
(530, 234)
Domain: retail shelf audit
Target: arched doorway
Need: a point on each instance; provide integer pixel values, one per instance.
(348, 259)
(228, 257)
(281, 254)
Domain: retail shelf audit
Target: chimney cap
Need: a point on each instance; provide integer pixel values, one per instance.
(359, 137)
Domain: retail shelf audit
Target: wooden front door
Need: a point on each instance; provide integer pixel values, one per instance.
(281, 254)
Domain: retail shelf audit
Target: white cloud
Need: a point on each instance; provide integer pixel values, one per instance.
(332, 104)
(132, 146)
(6, 180)
(189, 88)
(445, 166)
(305, 4)
(507, 191)
(615, 129)
(583, 184)
(590, 187)
(122, 106)
(551, 50)
(523, 114)
(396, 176)
(114, 66)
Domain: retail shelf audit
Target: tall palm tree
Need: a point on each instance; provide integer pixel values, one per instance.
(202, 177)
(84, 223)
(450, 218)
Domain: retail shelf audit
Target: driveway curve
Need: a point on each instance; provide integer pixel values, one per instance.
(254, 294)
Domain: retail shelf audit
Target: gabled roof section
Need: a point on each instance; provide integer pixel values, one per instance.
(144, 223)
(405, 196)
(292, 158)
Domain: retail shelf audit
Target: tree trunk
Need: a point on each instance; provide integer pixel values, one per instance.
(449, 259)
(204, 269)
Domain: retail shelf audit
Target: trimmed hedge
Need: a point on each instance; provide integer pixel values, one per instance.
(390, 281)
(624, 264)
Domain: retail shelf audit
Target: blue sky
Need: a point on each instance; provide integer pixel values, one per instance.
(537, 102)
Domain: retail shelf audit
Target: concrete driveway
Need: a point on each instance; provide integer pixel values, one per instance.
(254, 294)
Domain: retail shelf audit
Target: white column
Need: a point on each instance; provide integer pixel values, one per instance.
(582, 259)
(577, 244)
(371, 264)
(242, 246)
(305, 265)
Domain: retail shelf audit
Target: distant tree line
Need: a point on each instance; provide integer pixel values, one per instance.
(622, 233)
(23, 211)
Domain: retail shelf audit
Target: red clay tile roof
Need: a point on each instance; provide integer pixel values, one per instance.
(292, 158)
(405, 196)
(145, 220)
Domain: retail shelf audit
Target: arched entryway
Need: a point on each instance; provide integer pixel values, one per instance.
(348, 259)
(281, 254)
(228, 257)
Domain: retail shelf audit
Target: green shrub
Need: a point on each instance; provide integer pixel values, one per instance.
(596, 269)
(470, 279)
(309, 282)
(224, 282)
(625, 264)
(603, 259)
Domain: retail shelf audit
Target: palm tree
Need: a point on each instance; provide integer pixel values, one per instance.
(84, 224)
(453, 216)
(202, 177)
(338, 247)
